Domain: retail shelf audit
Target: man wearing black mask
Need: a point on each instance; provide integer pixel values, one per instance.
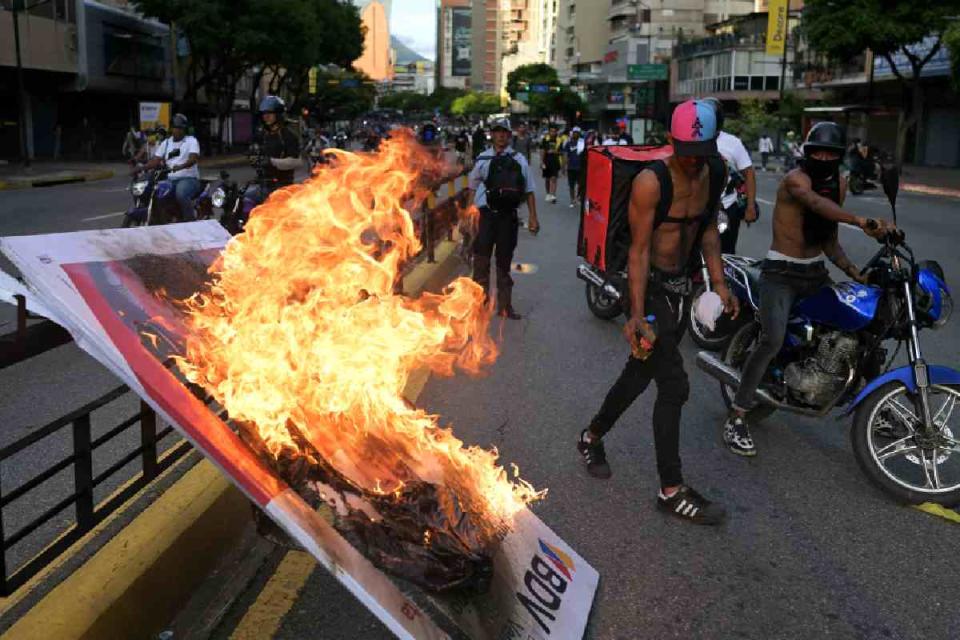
(805, 224)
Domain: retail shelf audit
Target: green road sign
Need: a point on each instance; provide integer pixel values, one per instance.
(647, 72)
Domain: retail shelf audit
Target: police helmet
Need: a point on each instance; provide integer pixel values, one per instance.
(272, 104)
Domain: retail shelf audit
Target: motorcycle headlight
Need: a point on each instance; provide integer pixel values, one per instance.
(219, 197)
(138, 188)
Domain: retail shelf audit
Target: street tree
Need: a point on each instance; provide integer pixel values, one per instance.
(951, 38)
(842, 29)
(342, 95)
(540, 88)
(476, 103)
(277, 39)
(752, 120)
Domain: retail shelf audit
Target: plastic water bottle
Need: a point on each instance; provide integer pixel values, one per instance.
(645, 348)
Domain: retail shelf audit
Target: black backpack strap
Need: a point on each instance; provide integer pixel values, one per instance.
(718, 175)
(660, 169)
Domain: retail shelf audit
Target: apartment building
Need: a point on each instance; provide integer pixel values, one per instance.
(454, 44)
(507, 34)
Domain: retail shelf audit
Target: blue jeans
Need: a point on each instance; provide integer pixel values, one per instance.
(185, 190)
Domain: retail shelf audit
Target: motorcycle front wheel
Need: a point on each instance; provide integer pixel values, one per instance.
(897, 456)
(741, 344)
(719, 338)
(602, 305)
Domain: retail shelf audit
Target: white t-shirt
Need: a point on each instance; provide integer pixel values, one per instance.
(766, 145)
(186, 146)
(736, 155)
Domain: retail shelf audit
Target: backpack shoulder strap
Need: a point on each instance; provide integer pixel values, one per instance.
(717, 168)
(660, 169)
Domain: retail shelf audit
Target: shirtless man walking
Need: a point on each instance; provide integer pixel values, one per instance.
(805, 225)
(672, 212)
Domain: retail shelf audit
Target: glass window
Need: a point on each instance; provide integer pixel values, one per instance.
(773, 83)
(741, 83)
(132, 53)
(756, 83)
(743, 63)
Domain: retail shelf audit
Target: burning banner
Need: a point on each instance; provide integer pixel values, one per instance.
(294, 331)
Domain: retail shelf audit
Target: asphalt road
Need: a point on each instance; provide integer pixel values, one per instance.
(810, 548)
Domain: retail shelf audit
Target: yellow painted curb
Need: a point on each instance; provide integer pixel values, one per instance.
(939, 511)
(137, 582)
(147, 569)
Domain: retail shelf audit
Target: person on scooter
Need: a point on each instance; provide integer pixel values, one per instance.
(180, 154)
(739, 167)
(499, 182)
(672, 214)
(805, 225)
(278, 144)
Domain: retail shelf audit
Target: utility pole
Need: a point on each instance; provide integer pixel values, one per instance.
(18, 5)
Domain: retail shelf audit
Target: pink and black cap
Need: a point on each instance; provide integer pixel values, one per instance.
(694, 129)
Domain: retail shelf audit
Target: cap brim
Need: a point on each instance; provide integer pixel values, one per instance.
(699, 148)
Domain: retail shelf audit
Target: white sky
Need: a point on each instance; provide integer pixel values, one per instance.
(414, 23)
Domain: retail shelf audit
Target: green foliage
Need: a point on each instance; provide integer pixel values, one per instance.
(476, 103)
(845, 28)
(559, 100)
(227, 38)
(334, 101)
(951, 38)
(442, 98)
(528, 74)
(791, 111)
(753, 120)
(407, 101)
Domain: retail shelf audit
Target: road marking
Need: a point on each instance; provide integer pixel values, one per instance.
(115, 214)
(263, 618)
(762, 201)
(939, 511)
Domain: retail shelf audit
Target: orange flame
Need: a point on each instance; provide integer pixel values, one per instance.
(301, 329)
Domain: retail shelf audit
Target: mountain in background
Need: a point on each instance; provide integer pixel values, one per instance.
(405, 55)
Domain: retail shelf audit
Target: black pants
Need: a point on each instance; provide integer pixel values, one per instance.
(665, 365)
(573, 181)
(781, 284)
(496, 229)
(728, 239)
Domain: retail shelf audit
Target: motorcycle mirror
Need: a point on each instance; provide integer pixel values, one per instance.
(890, 178)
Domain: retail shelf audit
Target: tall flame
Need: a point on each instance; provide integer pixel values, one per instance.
(301, 330)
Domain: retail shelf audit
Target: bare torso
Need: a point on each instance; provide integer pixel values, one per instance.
(788, 214)
(672, 242)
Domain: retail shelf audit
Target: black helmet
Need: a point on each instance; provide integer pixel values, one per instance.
(828, 136)
(180, 121)
(718, 107)
(272, 104)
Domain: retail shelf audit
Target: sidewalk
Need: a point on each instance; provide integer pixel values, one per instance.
(938, 181)
(45, 173)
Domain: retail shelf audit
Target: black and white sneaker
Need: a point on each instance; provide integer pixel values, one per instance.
(594, 455)
(687, 504)
(736, 435)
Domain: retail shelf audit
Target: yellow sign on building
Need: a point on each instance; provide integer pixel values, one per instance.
(778, 12)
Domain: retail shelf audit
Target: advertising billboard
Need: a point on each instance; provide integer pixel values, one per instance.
(461, 30)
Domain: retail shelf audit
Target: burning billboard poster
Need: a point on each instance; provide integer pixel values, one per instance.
(293, 331)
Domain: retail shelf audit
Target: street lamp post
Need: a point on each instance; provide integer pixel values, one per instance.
(18, 5)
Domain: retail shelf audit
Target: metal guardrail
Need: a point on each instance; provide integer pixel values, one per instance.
(88, 515)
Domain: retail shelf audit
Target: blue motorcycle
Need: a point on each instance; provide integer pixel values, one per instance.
(833, 356)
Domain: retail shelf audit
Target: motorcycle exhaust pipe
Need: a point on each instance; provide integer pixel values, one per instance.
(727, 375)
(585, 273)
